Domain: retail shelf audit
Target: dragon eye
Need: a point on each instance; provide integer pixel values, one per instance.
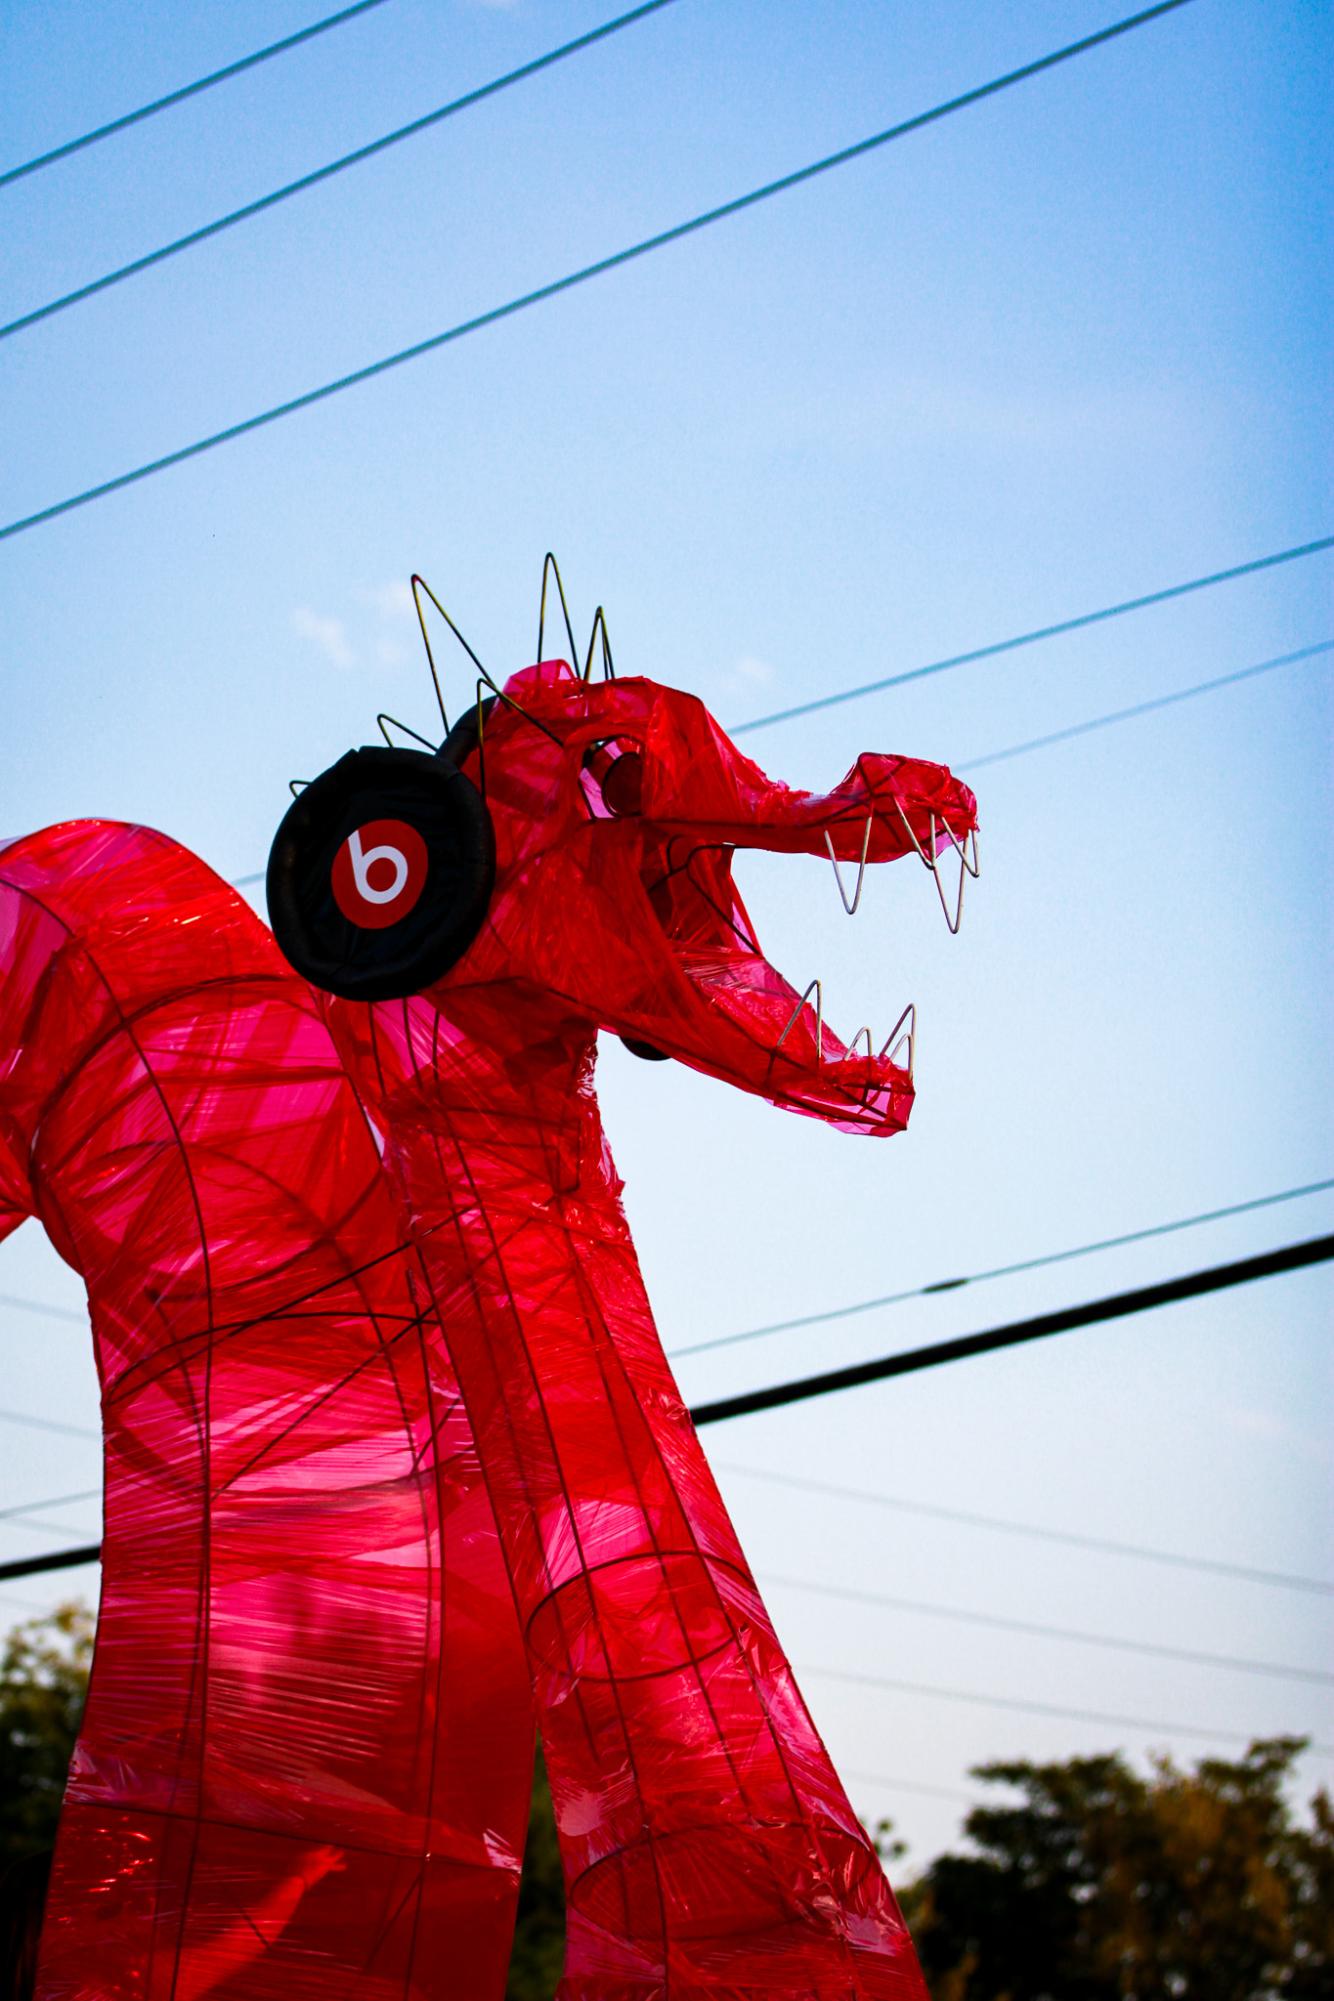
(623, 783)
(618, 771)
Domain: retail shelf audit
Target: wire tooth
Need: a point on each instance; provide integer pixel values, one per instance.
(816, 989)
(851, 907)
(903, 1031)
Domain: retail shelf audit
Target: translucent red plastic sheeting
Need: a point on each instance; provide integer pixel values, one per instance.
(361, 1411)
(305, 1763)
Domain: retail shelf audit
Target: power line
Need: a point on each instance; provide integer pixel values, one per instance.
(1101, 1544)
(60, 1559)
(1000, 1271)
(995, 757)
(48, 1424)
(909, 1786)
(1034, 1629)
(1292, 1257)
(1146, 708)
(36, 1526)
(187, 90)
(319, 174)
(1192, 1285)
(1032, 638)
(40, 1306)
(60, 1501)
(1041, 1708)
(524, 300)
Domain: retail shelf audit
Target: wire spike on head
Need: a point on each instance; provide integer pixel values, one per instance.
(419, 585)
(550, 568)
(599, 631)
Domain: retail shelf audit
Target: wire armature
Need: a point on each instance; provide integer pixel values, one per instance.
(599, 632)
(551, 568)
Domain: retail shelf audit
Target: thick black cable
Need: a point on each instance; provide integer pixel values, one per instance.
(557, 286)
(1042, 1708)
(325, 173)
(1039, 633)
(1002, 1271)
(1101, 1545)
(61, 1559)
(1192, 1285)
(1292, 1257)
(187, 90)
(1035, 1629)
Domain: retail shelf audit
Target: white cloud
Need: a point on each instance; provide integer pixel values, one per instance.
(392, 600)
(328, 634)
(748, 668)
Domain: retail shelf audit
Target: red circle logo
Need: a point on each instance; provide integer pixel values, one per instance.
(379, 873)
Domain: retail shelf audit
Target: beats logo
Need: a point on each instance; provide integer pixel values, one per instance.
(379, 873)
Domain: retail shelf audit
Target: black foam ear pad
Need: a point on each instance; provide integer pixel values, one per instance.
(381, 873)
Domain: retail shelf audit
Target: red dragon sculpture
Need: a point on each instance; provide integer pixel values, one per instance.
(394, 1457)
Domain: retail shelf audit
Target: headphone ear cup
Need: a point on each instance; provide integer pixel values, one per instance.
(380, 874)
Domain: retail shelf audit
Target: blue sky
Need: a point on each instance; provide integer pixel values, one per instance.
(1067, 347)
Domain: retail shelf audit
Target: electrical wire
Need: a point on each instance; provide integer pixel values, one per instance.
(1034, 1629)
(60, 1501)
(1102, 1545)
(40, 1306)
(187, 90)
(1031, 1708)
(1039, 633)
(704, 220)
(1147, 708)
(60, 1559)
(1021, 750)
(829, 1313)
(1192, 1285)
(48, 1424)
(37, 1527)
(325, 173)
(909, 1786)
(1291, 1257)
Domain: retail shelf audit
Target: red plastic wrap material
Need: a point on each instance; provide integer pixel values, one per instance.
(356, 1419)
(708, 1847)
(305, 1762)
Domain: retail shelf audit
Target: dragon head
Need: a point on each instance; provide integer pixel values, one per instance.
(593, 825)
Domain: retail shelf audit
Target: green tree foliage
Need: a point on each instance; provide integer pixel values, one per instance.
(43, 1683)
(1100, 1884)
(539, 1934)
(1094, 1883)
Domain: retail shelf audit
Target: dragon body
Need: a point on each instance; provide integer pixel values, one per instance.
(395, 1460)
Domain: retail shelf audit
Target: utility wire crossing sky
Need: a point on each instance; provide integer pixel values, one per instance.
(600, 268)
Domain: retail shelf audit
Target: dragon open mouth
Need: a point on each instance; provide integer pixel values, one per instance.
(778, 1037)
(658, 799)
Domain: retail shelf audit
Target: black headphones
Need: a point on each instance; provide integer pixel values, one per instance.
(382, 870)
